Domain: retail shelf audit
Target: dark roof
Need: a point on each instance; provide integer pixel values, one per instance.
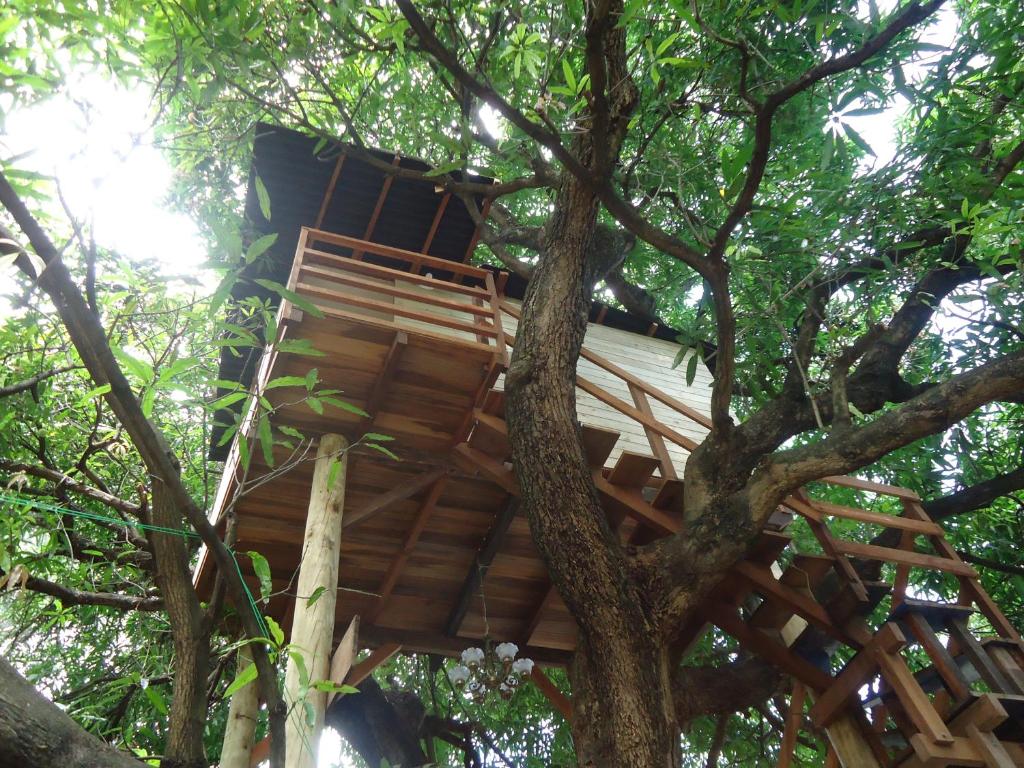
(297, 172)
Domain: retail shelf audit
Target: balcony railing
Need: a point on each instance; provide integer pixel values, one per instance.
(378, 285)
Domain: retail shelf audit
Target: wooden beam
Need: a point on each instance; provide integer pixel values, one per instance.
(656, 441)
(633, 503)
(363, 669)
(833, 700)
(558, 700)
(473, 460)
(399, 493)
(313, 627)
(345, 264)
(730, 622)
(878, 518)
(385, 377)
(794, 720)
(344, 656)
(772, 589)
(329, 192)
(913, 559)
(436, 222)
(478, 569)
(411, 537)
(372, 223)
(867, 485)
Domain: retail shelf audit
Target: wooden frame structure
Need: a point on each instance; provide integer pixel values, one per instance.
(435, 556)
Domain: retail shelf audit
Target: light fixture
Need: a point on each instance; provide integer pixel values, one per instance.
(490, 670)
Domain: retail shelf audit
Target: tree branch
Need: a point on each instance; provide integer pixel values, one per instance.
(71, 596)
(90, 340)
(934, 410)
(33, 381)
(977, 496)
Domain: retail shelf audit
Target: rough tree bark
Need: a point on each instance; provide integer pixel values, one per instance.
(34, 731)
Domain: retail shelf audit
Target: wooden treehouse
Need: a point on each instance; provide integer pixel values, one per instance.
(433, 556)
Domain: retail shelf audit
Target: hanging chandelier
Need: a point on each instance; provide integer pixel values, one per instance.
(485, 670)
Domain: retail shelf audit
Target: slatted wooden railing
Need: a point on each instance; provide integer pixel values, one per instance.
(375, 284)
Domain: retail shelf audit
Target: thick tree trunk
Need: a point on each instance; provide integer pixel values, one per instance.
(191, 640)
(35, 733)
(624, 713)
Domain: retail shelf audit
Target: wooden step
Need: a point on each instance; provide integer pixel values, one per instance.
(802, 574)
(628, 501)
(632, 470)
(670, 496)
(938, 615)
(598, 444)
(779, 520)
(489, 435)
(494, 403)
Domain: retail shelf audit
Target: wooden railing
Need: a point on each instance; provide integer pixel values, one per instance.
(358, 280)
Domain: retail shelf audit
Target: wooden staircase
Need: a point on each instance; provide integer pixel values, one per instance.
(930, 701)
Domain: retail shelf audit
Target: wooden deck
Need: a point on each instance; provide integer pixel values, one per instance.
(434, 555)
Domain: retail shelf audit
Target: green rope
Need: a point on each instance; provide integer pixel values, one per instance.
(97, 518)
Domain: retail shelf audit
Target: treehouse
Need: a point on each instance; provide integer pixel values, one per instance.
(429, 553)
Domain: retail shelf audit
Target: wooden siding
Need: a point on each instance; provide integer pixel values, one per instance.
(650, 360)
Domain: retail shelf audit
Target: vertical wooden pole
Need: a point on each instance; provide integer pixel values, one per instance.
(313, 624)
(242, 714)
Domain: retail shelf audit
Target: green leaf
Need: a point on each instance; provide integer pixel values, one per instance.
(156, 699)
(345, 406)
(378, 437)
(261, 568)
(382, 449)
(315, 404)
(315, 596)
(242, 679)
(299, 301)
(266, 437)
(259, 247)
(299, 347)
(684, 63)
(856, 139)
(92, 394)
(691, 368)
(570, 77)
(137, 368)
(300, 665)
(333, 471)
(264, 198)
(286, 381)
(276, 633)
(329, 686)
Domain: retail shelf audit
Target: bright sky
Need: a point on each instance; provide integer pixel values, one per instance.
(99, 147)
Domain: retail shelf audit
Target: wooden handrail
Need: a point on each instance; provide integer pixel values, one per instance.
(338, 276)
(313, 256)
(411, 257)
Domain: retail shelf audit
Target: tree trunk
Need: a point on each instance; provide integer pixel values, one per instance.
(191, 640)
(623, 708)
(35, 733)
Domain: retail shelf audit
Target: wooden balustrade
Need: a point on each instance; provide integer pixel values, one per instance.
(384, 286)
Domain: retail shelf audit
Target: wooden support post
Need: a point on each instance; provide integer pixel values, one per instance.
(559, 700)
(241, 726)
(794, 719)
(313, 626)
